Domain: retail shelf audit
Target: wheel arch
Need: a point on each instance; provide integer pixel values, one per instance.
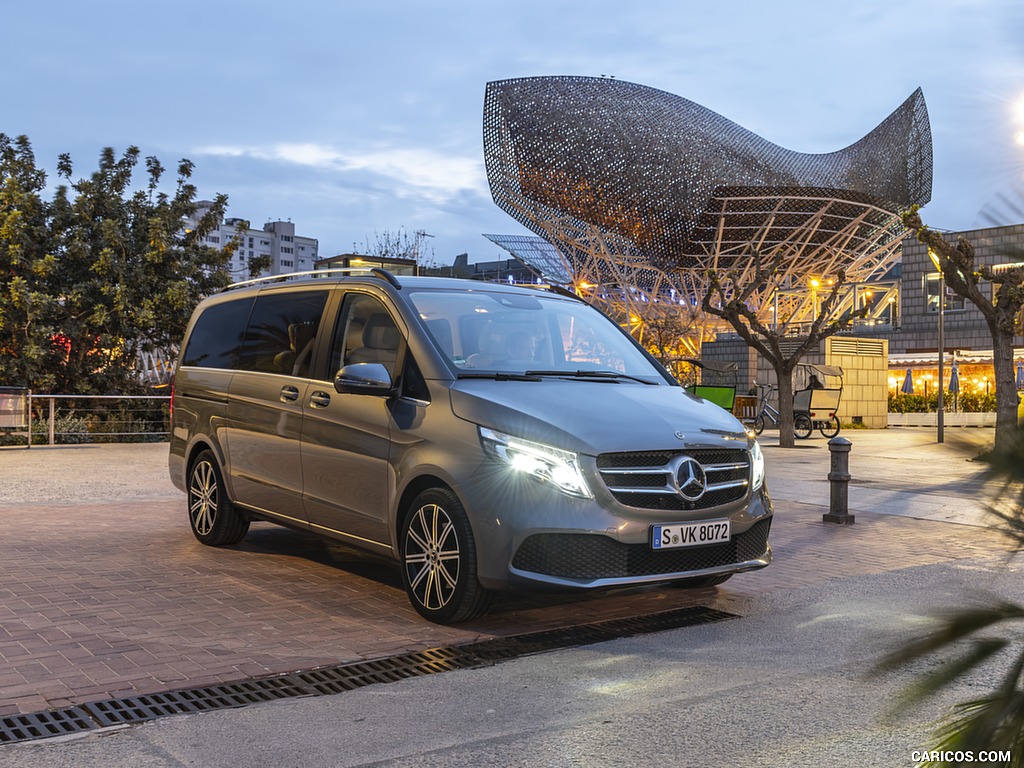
(204, 444)
(415, 487)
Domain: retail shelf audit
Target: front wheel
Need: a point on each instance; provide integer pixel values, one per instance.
(759, 424)
(830, 428)
(211, 515)
(802, 426)
(439, 563)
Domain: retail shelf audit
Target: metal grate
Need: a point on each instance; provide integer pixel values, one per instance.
(138, 709)
(337, 679)
(351, 676)
(504, 648)
(44, 725)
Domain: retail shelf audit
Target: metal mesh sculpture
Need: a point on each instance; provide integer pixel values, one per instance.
(634, 183)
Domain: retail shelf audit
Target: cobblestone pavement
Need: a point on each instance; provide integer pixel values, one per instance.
(105, 593)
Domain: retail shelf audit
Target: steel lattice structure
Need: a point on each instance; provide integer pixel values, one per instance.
(642, 189)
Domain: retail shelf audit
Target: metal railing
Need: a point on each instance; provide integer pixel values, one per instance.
(99, 418)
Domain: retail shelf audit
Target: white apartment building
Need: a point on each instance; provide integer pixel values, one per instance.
(288, 252)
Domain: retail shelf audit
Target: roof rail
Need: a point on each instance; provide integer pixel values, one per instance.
(328, 272)
(561, 291)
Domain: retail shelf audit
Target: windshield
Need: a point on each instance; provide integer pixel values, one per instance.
(483, 331)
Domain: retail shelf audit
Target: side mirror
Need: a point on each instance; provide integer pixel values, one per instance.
(363, 379)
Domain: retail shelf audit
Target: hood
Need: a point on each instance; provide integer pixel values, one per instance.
(594, 417)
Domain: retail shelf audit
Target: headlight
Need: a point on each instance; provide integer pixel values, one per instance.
(548, 464)
(756, 465)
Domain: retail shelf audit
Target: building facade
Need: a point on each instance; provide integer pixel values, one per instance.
(285, 251)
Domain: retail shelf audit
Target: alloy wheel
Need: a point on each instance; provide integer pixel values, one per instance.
(432, 557)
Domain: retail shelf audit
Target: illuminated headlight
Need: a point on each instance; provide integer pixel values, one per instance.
(548, 464)
(756, 465)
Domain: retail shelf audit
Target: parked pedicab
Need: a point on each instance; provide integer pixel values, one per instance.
(717, 382)
(817, 391)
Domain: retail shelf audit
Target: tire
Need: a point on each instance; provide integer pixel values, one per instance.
(697, 582)
(802, 426)
(438, 558)
(759, 424)
(832, 428)
(211, 515)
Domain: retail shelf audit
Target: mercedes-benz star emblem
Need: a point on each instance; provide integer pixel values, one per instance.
(691, 482)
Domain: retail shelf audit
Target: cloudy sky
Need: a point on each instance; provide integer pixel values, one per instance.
(353, 117)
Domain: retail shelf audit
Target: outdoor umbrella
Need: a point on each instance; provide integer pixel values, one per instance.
(954, 380)
(1020, 374)
(908, 383)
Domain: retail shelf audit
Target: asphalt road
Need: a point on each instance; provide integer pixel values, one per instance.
(785, 685)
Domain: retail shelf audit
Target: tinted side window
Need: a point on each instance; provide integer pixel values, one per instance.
(366, 333)
(217, 335)
(281, 332)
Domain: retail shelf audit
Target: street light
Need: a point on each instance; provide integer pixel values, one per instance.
(940, 406)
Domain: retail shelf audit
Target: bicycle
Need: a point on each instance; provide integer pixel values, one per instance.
(765, 409)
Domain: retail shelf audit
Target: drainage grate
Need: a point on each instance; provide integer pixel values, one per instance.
(138, 709)
(337, 679)
(523, 645)
(44, 725)
(348, 677)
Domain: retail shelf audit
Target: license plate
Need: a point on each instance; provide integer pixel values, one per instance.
(689, 534)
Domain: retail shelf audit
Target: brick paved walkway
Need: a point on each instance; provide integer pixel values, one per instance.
(117, 599)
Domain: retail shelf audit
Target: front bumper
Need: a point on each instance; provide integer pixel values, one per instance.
(582, 560)
(531, 535)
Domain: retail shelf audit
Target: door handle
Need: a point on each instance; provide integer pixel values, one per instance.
(319, 400)
(289, 394)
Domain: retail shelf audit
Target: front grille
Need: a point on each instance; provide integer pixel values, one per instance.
(643, 479)
(595, 556)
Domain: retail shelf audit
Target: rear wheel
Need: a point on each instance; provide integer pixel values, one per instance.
(759, 424)
(212, 516)
(802, 426)
(439, 564)
(830, 428)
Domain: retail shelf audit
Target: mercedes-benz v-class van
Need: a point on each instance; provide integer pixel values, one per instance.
(484, 436)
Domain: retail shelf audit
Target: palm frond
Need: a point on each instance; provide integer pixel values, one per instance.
(953, 627)
(990, 724)
(932, 683)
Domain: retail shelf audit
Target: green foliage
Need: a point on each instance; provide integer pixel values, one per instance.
(258, 265)
(965, 402)
(28, 304)
(100, 272)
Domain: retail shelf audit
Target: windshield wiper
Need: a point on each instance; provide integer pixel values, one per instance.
(591, 375)
(499, 376)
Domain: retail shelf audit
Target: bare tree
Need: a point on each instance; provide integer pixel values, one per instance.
(728, 298)
(1001, 311)
(399, 244)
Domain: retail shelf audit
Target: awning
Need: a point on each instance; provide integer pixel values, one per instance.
(926, 359)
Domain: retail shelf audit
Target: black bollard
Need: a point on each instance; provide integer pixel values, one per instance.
(839, 479)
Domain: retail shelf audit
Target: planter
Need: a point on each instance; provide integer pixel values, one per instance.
(984, 419)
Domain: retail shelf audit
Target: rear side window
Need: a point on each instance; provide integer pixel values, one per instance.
(281, 332)
(217, 335)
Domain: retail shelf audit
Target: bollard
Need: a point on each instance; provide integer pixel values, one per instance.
(839, 479)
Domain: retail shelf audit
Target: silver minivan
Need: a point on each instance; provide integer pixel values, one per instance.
(484, 436)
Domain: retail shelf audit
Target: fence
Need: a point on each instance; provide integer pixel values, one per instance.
(95, 419)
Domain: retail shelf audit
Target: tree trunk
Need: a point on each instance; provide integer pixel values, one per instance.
(1006, 390)
(785, 380)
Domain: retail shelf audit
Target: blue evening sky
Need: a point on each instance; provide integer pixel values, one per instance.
(352, 118)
